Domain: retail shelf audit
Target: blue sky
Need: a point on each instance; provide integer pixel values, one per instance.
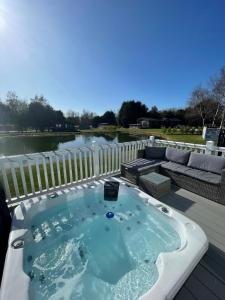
(93, 54)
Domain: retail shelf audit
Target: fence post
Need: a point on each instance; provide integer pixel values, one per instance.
(152, 140)
(204, 132)
(210, 147)
(95, 158)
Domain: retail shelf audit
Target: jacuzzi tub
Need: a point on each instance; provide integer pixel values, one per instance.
(64, 247)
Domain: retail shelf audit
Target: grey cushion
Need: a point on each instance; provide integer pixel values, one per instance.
(171, 166)
(178, 156)
(204, 176)
(194, 173)
(210, 163)
(155, 152)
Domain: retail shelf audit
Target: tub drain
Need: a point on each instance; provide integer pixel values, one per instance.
(19, 243)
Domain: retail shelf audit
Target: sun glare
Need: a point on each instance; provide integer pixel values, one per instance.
(2, 23)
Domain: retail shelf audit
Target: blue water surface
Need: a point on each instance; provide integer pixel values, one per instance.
(73, 251)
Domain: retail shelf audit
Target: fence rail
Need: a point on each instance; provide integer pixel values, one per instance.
(208, 148)
(29, 175)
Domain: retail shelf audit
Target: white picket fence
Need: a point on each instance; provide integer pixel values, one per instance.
(29, 175)
(209, 148)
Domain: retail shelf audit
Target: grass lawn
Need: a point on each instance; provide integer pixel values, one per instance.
(187, 138)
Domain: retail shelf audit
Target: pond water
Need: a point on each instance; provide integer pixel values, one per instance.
(32, 144)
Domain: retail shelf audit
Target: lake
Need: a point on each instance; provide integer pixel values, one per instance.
(32, 144)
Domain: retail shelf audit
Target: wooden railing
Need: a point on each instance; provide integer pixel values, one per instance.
(30, 175)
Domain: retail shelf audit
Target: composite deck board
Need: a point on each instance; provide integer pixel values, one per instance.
(185, 294)
(214, 268)
(213, 284)
(207, 281)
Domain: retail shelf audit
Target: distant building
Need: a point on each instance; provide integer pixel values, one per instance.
(157, 123)
(148, 122)
(64, 127)
(101, 125)
(134, 126)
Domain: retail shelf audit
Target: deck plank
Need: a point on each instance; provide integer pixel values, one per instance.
(185, 294)
(207, 278)
(199, 289)
(207, 281)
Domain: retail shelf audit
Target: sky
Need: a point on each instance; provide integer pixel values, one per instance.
(94, 54)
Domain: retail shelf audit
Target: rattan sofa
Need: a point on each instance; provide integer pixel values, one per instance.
(199, 173)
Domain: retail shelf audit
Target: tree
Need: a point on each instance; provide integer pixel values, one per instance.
(18, 110)
(86, 119)
(130, 111)
(59, 117)
(201, 101)
(73, 118)
(41, 114)
(109, 118)
(219, 94)
(4, 113)
(96, 121)
(154, 113)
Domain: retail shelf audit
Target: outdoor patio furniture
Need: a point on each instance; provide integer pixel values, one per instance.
(134, 169)
(155, 184)
(200, 173)
(148, 161)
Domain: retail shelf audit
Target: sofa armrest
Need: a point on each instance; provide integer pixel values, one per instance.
(223, 176)
(141, 153)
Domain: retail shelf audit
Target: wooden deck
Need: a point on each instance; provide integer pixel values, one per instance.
(207, 281)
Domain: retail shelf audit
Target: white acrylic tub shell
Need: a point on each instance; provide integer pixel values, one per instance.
(173, 267)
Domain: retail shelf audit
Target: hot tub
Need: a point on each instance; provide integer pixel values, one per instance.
(76, 245)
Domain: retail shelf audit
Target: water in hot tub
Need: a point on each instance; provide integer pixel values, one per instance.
(73, 251)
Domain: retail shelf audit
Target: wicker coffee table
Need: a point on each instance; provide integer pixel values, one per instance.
(155, 184)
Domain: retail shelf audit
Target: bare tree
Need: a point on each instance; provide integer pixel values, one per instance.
(72, 114)
(201, 101)
(219, 94)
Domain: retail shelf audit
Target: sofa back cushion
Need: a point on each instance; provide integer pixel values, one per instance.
(155, 152)
(178, 156)
(209, 163)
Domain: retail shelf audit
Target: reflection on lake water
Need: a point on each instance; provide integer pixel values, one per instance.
(32, 144)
